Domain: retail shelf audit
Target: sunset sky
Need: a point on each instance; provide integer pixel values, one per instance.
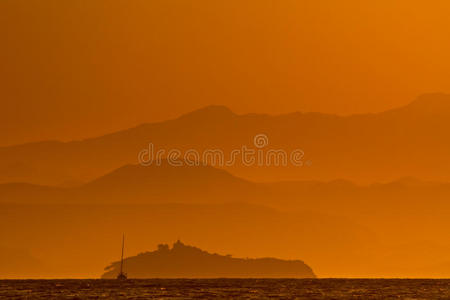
(75, 69)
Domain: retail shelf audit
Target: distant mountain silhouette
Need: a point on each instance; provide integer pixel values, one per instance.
(414, 201)
(211, 113)
(140, 184)
(183, 261)
(353, 218)
(363, 148)
(205, 184)
(434, 104)
(141, 176)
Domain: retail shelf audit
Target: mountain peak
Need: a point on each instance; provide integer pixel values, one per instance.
(410, 181)
(161, 174)
(433, 102)
(210, 112)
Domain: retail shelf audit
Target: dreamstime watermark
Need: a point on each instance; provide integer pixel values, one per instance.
(258, 155)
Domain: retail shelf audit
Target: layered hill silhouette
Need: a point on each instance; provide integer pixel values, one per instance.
(360, 221)
(166, 201)
(183, 261)
(341, 227)
(384, 206)
(136, 184)
(408, 141)
(139, 184)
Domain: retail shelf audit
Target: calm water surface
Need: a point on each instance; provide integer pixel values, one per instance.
(227, 289)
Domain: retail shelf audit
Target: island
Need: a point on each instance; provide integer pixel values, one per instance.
(184, 261)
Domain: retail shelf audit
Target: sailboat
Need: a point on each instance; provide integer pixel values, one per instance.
(122, 275)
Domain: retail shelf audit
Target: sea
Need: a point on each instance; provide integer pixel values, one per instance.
(227, 289)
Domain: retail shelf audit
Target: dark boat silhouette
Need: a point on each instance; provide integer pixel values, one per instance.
(122, 275)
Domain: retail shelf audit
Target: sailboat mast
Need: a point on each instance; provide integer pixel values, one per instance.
(121, 260)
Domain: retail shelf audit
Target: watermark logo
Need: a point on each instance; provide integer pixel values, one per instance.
(259, 154)
(260, 140)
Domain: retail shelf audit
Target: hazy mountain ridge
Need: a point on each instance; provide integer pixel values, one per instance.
(365, 220)
(197, 201)
(366, 147)
(145, 184)
(408, 201)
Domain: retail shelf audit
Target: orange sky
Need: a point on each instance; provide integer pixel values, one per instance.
(73, 69)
